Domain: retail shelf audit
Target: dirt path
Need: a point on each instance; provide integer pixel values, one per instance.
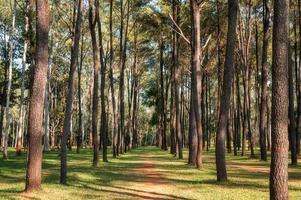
(149, 182)
(148, 172)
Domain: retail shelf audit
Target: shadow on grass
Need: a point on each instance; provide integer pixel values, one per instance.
(129, 192)
(113, 177)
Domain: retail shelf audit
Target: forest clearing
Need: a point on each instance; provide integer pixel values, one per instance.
(144, 173)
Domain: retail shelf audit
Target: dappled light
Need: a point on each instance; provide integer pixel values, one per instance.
(150, 99)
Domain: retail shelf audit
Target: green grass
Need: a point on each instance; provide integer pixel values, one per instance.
(124, 178)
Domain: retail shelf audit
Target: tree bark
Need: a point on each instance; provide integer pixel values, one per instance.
(226, 91)
(80, 131)
(163, 111)
(264, 82)
(196, 78)
(123, 47)
(299, 85)
(47, 100)
(103, 125)
(115, 117)
(21, 106)
(279, 117)
(36, 106)
(96, 62)
(135, 91)
(70, 93)
(9, 82)
(176, 79)
(297, 73)
(291, 115)
(193, 138)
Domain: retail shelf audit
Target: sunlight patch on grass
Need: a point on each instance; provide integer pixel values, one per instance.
(124, 178)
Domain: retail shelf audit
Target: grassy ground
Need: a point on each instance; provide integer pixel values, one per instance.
(145, 173)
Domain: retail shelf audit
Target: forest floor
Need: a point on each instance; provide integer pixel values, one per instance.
(144, 173)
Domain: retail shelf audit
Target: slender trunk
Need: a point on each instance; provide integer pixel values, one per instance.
(176, 80)
(268, 126)
(219, 59)
(296, 72)
(236, 122)
(250, 132)
(70, 93)
(96, 62)
(80, 130)
(193, 138)
(226, 91)
(135, 112)
(291, 115)
(173, 148)
(9, 82)
(115, 118)
(4, 88)
(207, 95)
(264, 82)
(21, 106)
(209, 117)
(196, 77)
(203, 113)
(129, 135)
(47, 99)
(103, 125)
(121, 82)
(135, 91)
(2, 113)
(182, 115)
(244, 119)
(299, 84)
(123, 47)
(163, 111)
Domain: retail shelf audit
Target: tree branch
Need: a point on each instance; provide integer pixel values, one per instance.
(179, 32)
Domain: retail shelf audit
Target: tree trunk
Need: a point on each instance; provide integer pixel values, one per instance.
(96, 62)
(9, 82)
(163, 111)
(175, 60)
(21, 106)
(264, 82)
(196, 78)
(219, 59)
(34, 163)
(226, 91)
(70, 93)
(235, 118)
(103, 125)
(80, 130)
(268, 126)
(210, 116)
(47, 99)
(115, 118)
(207, 109)
(250, 132)
(299, 84)
(135, 91)
(123, 47)
(193, 138)
(173, 147)
(291, 115)
(203, 109)
(297, 73)
(279, 117)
